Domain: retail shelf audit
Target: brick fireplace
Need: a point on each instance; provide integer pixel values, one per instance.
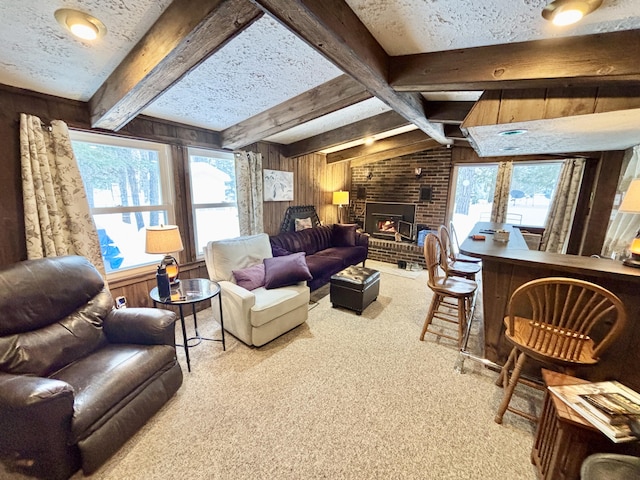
(394, 181)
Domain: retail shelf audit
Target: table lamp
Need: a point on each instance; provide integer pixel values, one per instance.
(165, 239)
(340, 198)
(631, 204)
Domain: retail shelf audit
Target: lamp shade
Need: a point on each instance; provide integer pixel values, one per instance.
(163, 239)
(340, 198)
(631, 201)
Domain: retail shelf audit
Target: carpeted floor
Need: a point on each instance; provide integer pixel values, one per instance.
(340, 397)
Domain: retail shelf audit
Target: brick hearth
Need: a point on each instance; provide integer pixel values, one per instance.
(390, 251)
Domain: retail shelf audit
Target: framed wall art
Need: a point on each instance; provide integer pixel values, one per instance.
(278, 186)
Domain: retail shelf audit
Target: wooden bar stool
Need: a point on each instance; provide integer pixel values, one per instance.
(455, 267)
(449, 293)
(455, 247)
(551, 320)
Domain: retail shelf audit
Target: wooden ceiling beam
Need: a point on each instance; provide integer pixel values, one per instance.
(452, 113)
(329, 97)
(185, 35)
(349, 133)
(387, 146)
(334, 30)
(589, 60)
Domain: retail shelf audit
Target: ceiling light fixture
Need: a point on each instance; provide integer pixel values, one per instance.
(80, 24)
(567, 12)
(511, 133)
(369, 141)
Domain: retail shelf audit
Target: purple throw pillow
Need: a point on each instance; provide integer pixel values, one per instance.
(284, 271)
(279, 251)
(344, 235)
(251, 277)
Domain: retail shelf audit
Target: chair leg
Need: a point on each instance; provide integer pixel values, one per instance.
(462, 319)
(503, 378)
(435, 303)
(508, 393)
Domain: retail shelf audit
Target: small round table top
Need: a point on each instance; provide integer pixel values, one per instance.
(189, 290)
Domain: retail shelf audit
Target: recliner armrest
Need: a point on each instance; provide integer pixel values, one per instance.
(35, 416)
(146, 326)
(23, 391)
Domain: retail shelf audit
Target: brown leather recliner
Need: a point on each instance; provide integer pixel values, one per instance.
(77, 377)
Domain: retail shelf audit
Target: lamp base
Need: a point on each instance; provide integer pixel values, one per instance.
(631, 262)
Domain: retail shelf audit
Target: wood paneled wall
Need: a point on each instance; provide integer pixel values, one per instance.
(314, 180)
(314, 183)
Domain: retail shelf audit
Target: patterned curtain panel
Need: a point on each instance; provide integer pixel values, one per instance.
(56, 212)
(501, 193)
(624, 226)
(249, 192)
(563, 205)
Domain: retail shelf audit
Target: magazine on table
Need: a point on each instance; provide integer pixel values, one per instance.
(608, 406)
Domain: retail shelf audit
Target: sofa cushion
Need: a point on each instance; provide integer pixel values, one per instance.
(283, 271)
(348, 255)
(344, 235)
(224, 256)
(278, 251)
(45, 350)
(106, 379)
(272, 304)
(308, 241)
(251, 277)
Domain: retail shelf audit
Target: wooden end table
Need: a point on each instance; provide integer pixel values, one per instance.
(563, 438)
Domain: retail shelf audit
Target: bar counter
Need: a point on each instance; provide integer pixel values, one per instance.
(507, 265)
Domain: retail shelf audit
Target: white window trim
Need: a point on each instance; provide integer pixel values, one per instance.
(204, 152)
(166, 184)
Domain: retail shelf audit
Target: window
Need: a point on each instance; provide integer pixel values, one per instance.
(531, 191)
(472, 195)
(213, 196)
(127, 183)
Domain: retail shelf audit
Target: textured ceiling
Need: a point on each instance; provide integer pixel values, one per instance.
(418, 26)
(38, 54)
(266, 64)
(260, 68)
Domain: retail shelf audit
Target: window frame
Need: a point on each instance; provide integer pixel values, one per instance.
(168, 194)
(204, 152)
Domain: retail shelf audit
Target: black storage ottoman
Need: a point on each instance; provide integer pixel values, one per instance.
(355, 288)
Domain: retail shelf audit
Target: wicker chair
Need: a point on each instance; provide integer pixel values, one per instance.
(449, 292)
(563, 322)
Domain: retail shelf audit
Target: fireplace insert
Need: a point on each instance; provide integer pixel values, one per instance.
(385, 220)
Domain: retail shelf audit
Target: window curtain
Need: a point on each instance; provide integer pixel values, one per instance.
(563, 205)
(57, 217)
(249, 192)
(501, 193)
(624, 225)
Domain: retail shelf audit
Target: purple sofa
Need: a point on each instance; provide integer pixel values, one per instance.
(328, 248)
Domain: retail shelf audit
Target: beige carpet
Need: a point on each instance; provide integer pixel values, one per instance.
(340, 397)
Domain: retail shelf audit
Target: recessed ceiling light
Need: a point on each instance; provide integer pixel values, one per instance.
(567, 12)
(80, 24)
(509, 149)
(510, 133)
(369, 141)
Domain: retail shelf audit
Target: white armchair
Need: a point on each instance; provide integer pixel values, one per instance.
(260, 315)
